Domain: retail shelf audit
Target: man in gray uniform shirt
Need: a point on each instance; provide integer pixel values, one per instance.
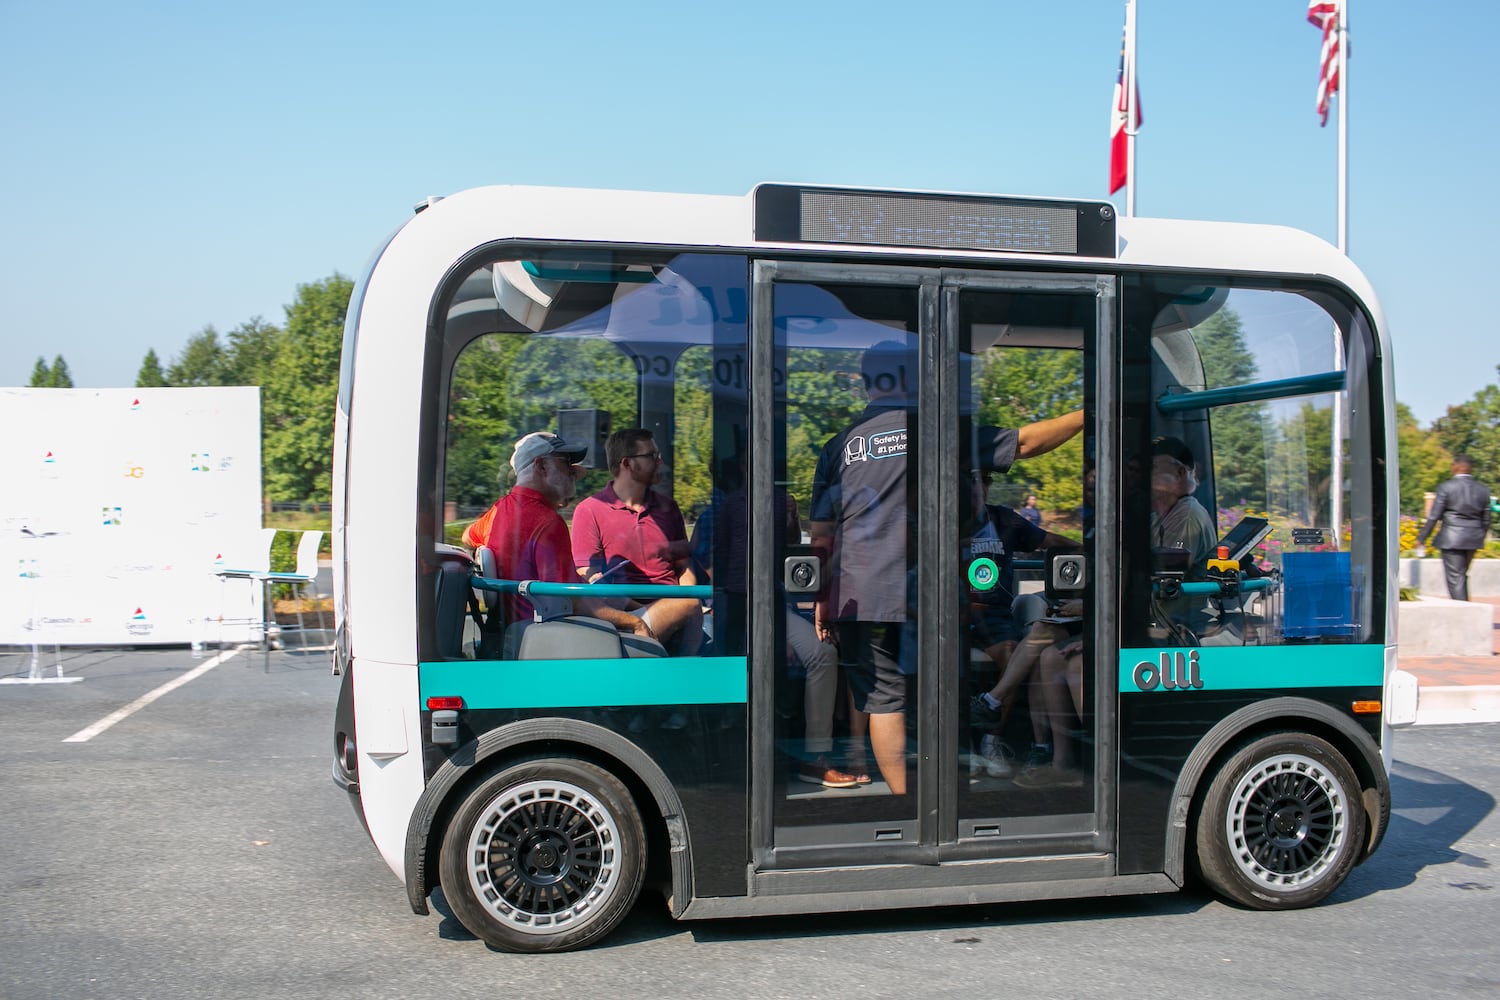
(859, 523)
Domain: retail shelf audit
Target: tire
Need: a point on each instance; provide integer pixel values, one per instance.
(1282, 823)
(544, 855)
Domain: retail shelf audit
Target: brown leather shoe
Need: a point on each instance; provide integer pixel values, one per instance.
(820, 772)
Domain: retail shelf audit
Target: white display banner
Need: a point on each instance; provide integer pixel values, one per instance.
(119, 506)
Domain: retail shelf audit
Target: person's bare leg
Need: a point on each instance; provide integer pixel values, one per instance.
(1072, 683)
(671, 615)
(1001, 653)
(1023, 660)
(859, 727)
(1058, 691)
(888, 738)
(1042, 726)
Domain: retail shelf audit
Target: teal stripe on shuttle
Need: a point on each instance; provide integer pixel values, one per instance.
(1237, 668)
(706, 680)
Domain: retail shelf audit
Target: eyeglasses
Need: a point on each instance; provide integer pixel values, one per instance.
(655, 456)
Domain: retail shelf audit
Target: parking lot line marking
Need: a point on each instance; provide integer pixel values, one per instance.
(84, 735)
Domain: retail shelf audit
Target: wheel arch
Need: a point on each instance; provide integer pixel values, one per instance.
(661, 809)
(1276, 714)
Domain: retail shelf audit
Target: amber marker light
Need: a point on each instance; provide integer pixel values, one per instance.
(1360, 707)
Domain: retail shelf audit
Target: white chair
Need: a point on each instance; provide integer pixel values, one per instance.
(307, 565)
(302, 579)
(252, 567)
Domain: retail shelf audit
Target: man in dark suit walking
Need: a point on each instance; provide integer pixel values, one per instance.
(1463, 505)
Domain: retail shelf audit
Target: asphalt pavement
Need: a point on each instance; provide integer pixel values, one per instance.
(170, 830)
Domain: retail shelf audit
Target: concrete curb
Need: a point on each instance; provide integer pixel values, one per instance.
(1458, 704)
(1437, 626)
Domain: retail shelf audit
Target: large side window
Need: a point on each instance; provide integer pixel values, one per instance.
(1240, 403)
(582, 344)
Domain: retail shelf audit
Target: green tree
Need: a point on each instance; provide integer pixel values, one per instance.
(505, 386)
(1423, 461)
(41, 375)
(300, 393)
(150, 374)
(61, 378)
(250, 352)
(201, 362)
(1016, 386)
(1299, 466)
(1473, 428)
(481, 426)
(1239, 445)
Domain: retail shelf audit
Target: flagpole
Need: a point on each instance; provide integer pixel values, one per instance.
(1343, 71)
(1336, 459)
(1130, 109)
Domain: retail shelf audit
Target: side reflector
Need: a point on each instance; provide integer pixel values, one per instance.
(1366, 708)
(440, 704)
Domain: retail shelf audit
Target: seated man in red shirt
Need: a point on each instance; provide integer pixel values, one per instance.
(630, 525)
(529, 537)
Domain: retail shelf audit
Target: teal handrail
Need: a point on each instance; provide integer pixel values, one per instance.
(537, 587)
(1301, 385)
(1211, 588)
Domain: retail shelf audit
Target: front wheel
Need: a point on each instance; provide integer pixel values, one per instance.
(545, 855)
(1282, 823)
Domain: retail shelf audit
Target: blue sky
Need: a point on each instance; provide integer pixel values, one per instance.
(171, 166)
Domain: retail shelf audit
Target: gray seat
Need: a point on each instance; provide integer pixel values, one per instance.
(575, 637)
(452, 598)
(565, 637)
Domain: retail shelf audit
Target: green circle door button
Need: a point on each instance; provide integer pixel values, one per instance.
(983, 574)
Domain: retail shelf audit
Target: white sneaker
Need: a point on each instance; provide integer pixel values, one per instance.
(994, 758)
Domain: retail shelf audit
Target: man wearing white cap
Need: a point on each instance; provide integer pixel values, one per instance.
(529, 537)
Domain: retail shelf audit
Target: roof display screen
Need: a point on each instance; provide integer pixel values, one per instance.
(786, 214)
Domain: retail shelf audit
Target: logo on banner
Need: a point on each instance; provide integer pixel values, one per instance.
(139, 624)
(28, 569)
(133, 471)
(111, 516)
(135, 404)
(199, 462)
(35, 624)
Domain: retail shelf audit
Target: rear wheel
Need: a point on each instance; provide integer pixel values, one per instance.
(545, 855)
(1282, 823)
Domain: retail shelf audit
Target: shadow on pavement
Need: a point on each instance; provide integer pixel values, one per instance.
(1431, 811)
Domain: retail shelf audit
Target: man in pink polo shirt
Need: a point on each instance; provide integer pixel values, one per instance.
(529, 537)
(630, 525)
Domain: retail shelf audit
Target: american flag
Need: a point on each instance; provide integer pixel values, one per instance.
(1119, 169)
(1325, 15)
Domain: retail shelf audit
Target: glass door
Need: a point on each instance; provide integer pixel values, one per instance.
(1027, 738)
(840, 453)
(901, 568)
